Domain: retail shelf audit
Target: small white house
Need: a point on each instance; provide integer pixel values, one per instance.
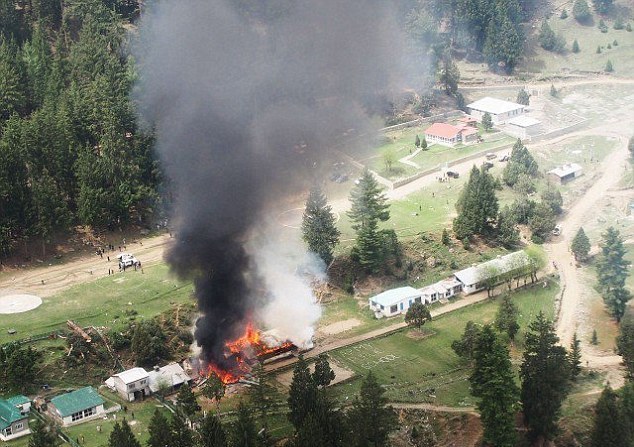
(524, 127)
(565, 173)
(132, 384)
(501, 111)
(78, 406)
(167, 378)
(395, 301)
(473, 278)
(14, 417)
(441, 290)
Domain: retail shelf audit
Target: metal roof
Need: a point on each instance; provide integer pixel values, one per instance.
(132, 375)
(9, 413)
(442, 130)
(78, 400)
(171, 375)
(494, 106)
(395, 296)
(524, 121)
(18, 400)
(501, 265)
(567, 169)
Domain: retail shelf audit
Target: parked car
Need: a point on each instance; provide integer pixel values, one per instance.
(490, 156)
(557, 230)
(487, 165)
(453, 174)
(127, 260)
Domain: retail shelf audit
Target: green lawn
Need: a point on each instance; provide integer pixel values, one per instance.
(415, 370)
(589, 38)
(103, 302)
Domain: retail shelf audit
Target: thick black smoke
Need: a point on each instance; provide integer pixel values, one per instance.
(245, 111)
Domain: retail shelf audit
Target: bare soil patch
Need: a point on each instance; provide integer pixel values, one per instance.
(415, 334)
(340, 326)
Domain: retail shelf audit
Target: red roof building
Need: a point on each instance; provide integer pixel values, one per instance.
(449, 135)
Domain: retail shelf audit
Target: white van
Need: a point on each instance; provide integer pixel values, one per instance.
(557, 230)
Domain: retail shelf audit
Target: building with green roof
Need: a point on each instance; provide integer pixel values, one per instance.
(14, 417)
(78, 406)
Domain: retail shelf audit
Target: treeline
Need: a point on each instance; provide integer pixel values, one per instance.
(71, 151)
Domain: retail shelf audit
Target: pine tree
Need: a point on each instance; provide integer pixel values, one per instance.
(612, 270)
(507, 232)
(610, 428)
(542, 223)
(211, 433)
(520, 162)
(370, 419)
(575, 357)
(214, 389)
(122, 436)
(445, 237)
(449, 75)
(368, 207)
(552, 197)
(493, 382)
(602, 6)
(244, 431)
(477, 206)
(311, 433)
(599, 49)
(625, 344)
(487, 121)
(261, 395)
(318, 226)
(417, 141)
(523, 97)
(608, 66)
(187, 402)
(181, 435)
(323, 374)
(545, 375)
(465, 347)
(159, 430)
(423, 143)
(504, 41)
(302, 395)
(547, 37)
(506, 319)
(580, 246)
(575, 46)
(12, 94)
(42, 435)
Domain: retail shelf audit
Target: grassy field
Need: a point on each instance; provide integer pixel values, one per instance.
(104, 302)
(589, 38)
(415, 369)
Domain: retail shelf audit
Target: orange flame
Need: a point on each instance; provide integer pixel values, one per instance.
(248, 346)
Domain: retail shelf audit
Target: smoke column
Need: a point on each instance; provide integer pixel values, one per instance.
(245, 111)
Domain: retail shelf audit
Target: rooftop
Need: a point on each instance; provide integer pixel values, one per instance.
(132, 375)
(494, 106)
(9, 413)
(524, 121)
(78, 400)
(395, 296)
(567, 169)
(171, 375)
(497, 266)
(442, 130)
(18, 400)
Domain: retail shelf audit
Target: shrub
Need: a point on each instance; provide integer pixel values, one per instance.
(608, 67)
(628, 28)
(618, 23)
(581, 11)
(615, 43)
(602, 26)
(609, 47)
(575, 46)
(564, 14)
(599, 49)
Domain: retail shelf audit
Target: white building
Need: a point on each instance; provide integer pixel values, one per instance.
(473, 278)
(524, 127)
(132, 384)
(565, 173)
(78, 406)
(395, 301)
(441, 290)
(167, 378)
(500, 111)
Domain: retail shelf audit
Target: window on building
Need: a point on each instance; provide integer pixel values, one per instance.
(417, 299)
(393, 309)
(7, 431)
(19, 426)
(143, 382)
(77, 416)
(89, 412)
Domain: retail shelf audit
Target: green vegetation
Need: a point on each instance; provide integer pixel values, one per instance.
(111, 301)
(318, 226)
(420, 364)
(612, 273)
(580, 245)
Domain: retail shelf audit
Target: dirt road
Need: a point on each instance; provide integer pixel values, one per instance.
(49, 280)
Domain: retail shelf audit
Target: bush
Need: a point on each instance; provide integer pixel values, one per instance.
(564, 14)
(575, 46)
(581, 11)
(628, 28)
(549, 41)
(609, 47)
(599, 49)
(602, 26)
(608, 67)
(615, 43)
(618, 23)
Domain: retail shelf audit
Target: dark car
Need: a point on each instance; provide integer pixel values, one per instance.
(487, 165)
(453, 174)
